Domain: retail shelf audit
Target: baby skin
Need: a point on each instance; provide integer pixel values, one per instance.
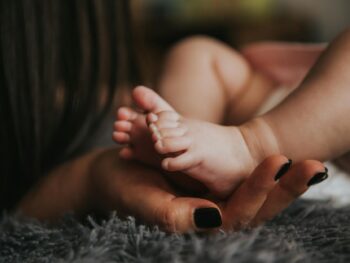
(215, 155)
(222, 156)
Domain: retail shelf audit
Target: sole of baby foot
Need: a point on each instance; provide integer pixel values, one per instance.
(131, 131)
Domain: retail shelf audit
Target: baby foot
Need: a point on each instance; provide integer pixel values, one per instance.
(215, 155)
(131, 130)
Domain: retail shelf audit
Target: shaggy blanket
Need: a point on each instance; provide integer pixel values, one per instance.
(308, 231)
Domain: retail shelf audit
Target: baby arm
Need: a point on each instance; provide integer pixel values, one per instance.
(312, 122)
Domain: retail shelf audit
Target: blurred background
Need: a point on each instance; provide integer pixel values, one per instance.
(161, 23)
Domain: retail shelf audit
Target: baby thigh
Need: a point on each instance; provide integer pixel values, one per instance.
(205, 79)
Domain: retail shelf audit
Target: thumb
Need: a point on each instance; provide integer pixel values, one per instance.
(145, 194)
(184, 214)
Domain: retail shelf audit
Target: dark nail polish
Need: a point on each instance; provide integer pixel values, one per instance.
(207, 217)
(318, 178)
(283, 170)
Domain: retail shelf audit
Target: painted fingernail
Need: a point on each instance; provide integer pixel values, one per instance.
(283, 170)
(318, 178)
(207, 217)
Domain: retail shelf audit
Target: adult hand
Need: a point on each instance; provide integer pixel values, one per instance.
(144, 193)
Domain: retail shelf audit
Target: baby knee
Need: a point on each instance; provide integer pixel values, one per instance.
(343, 39)
(195, 48)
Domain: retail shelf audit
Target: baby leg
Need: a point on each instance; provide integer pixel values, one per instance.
(282, 62)
(313, 122)
(207, 80)
(204, 78)
(215, 155)
(207, 150)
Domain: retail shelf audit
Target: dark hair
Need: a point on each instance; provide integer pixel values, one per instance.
(60, 62)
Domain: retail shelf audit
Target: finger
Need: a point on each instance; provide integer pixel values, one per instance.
(293, 184)
(246, 201)
(184, 214)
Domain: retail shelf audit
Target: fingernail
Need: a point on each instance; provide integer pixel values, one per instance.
(283, 170)
(318, 178)
(207, 217)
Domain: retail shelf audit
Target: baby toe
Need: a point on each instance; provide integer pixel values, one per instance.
(173, 132)
(126, 153)
(164, 116)
(168, 115)
(121, 137)
(151, 117)
(172, 145)
(126, 114)
(122, 126)
(146, 99)
(180, 163)
(155, 132)
(166, 124)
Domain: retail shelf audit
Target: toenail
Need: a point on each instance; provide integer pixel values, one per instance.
(283, 170)
(152, 117)
(155, 131)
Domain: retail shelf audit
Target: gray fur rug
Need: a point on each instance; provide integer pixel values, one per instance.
(306, 232)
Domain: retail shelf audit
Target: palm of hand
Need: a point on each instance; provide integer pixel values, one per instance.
(139, 191)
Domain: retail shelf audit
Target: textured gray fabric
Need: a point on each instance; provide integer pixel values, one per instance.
(306, 232)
